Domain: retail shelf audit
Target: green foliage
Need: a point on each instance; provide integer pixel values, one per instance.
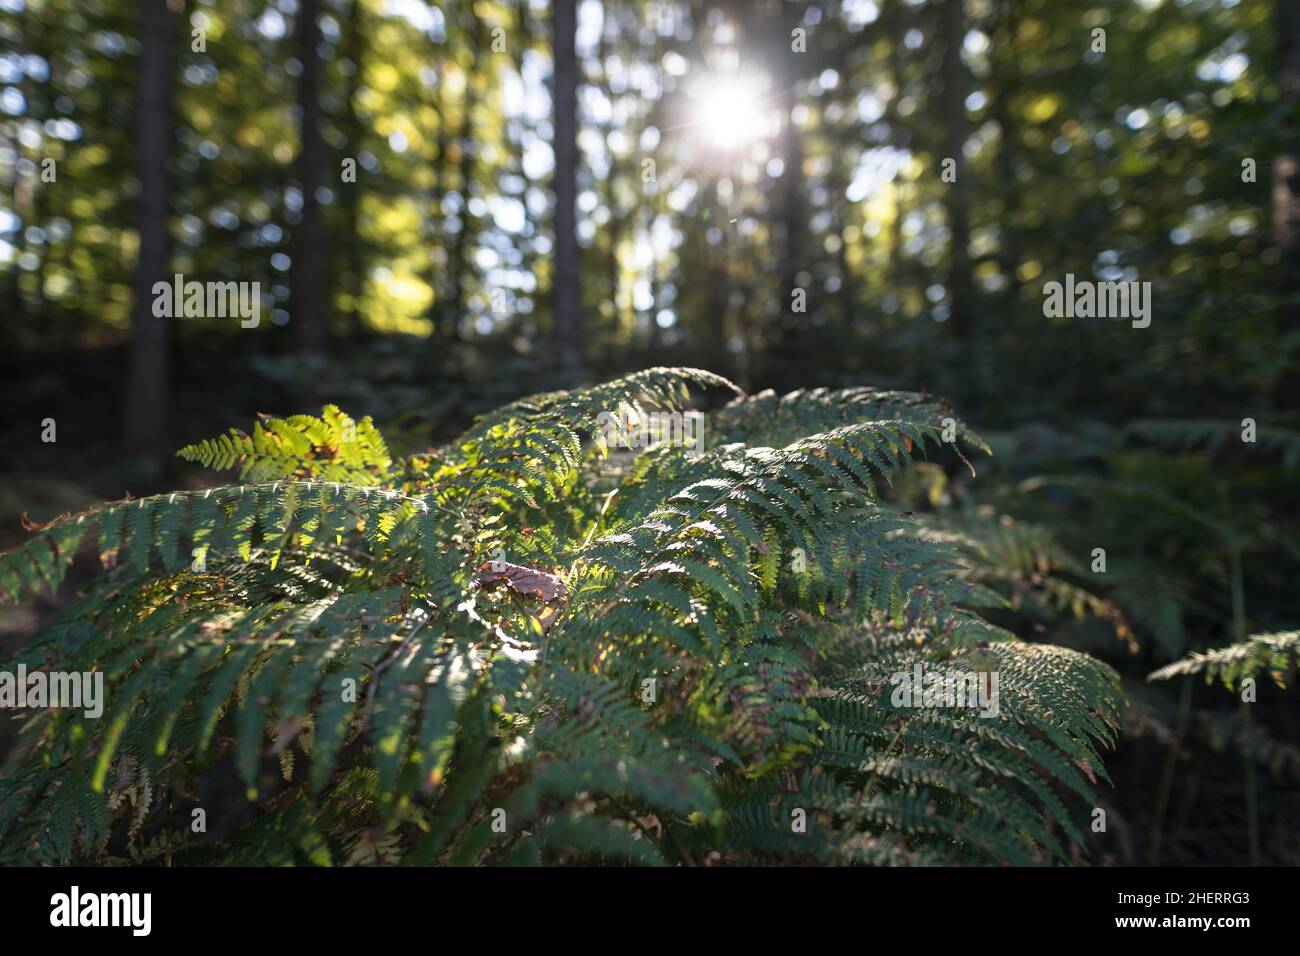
(332, 448)
(1276, 654)
(1198, 531)
(524, 647)
(1025, 566)
(1184, 435)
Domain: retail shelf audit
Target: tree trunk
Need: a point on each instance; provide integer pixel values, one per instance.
(438, 311)
(1009, 17)
(20, 204)
(147, 388)
(309, 264)
(790, 209)
(567, 282)
(459, 267)
(354, 32)
(895, 26)
(1286, 195)
(614, 226)
(958, 194)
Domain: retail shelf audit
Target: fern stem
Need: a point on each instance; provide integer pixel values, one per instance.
(852, 824)
(1252, 787)
(1250, 783)
(1167, 775)
(682, 855)
(677, 845)
(384, 664)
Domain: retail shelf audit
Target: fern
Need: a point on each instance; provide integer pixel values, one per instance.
(1025, 565)
(1276, 654)
(1187, 435)
(525, 647)
(332, 448)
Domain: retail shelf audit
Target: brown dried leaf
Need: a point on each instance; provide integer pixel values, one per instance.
(31, 524)
(528, 582)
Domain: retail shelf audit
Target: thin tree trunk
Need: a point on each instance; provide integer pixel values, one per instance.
(958, 194)
(613, 227)
(355, 265)
(790, 207)
(309, 264)
(438, 311)
(1286, 192)
(147, 389)
(1001, 111)
(22, 186)
(467, 169)
(894, 30)
(40, 199)
(567, 288)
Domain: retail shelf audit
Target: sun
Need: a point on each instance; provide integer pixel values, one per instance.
(729, 110)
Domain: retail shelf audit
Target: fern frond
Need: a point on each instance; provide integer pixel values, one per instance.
(332, 447)
(1275, 653)
(1211, 435)
(517, 649)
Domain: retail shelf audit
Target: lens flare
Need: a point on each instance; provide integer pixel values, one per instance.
(730, 111)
